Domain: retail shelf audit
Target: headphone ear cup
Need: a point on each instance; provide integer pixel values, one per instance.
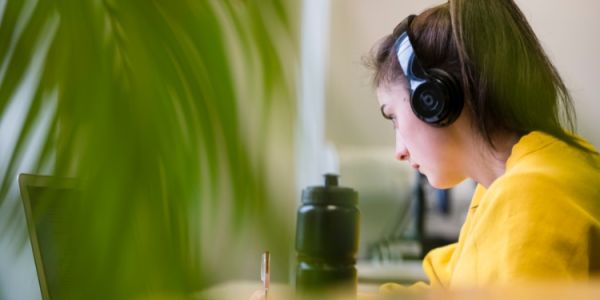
(438, 101)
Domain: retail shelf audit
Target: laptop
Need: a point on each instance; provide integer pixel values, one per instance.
(47, 201)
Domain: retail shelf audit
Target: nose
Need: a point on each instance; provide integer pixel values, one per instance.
(401, 153)
(401, 150)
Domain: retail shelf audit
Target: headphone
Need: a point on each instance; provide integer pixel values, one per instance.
(436, 97)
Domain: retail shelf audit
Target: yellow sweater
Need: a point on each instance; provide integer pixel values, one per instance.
(539, 221)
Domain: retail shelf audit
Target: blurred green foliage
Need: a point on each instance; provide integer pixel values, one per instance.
(161, 110)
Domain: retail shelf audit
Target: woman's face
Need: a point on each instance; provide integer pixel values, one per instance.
(435, 152)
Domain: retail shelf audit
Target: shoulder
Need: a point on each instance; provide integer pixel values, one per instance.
(538, 150)
(543, 166)
(546, 175)
(546, 186)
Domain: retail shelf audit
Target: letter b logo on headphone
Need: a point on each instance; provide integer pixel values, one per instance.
(436, 102)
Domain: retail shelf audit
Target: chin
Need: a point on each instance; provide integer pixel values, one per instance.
(442, 183)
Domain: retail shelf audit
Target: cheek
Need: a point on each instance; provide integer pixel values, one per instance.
(417, 137)
(430, 147)
(442, 162)
(408, 125)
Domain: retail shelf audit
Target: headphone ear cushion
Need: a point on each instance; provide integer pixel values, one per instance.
(438, 101)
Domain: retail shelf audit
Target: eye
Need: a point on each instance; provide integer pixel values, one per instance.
(386, 116)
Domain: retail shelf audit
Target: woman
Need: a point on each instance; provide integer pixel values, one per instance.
(472, 94)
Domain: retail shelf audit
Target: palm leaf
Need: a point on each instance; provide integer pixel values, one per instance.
(140, 102)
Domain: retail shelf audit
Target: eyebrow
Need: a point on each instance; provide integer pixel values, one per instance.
(386, 116)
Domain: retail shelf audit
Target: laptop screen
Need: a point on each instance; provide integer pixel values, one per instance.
(47, 202)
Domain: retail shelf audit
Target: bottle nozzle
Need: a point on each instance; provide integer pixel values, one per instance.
(331, 179)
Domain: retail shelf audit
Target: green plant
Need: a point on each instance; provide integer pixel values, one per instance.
(148, 104)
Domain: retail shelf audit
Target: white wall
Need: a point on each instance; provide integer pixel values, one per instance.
(568, 30)
(570, 33)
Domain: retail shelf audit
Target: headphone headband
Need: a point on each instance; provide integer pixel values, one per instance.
(408, 59)
(435, 97)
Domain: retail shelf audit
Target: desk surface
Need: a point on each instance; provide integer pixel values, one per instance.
(243, 289)
(587, 290)
(370, 276)
(402, 272)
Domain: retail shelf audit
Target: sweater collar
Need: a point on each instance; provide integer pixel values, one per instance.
(527, 144)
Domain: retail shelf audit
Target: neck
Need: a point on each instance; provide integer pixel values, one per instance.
(489, 163)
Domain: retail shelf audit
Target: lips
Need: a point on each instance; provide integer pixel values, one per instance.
(415, 166)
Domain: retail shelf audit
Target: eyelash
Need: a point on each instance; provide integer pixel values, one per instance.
(389, 117)
(385, 116)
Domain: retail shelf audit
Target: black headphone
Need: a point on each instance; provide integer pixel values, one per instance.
(436, 97)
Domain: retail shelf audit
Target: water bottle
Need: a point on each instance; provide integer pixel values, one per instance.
(327, 233)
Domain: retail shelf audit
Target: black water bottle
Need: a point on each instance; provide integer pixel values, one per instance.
(327, 232)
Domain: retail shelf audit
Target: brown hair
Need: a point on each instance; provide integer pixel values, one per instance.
(509, 84)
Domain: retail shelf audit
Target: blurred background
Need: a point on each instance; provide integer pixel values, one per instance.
(210, 118)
